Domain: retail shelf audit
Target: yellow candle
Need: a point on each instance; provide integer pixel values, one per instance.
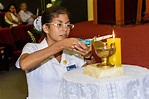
(116, 57)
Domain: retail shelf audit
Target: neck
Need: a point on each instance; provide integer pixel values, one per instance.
(58, 56)
(49, 40)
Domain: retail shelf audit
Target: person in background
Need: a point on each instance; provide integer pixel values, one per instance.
(11, 17)
(1, 7)
(45, 62)
(26, 16)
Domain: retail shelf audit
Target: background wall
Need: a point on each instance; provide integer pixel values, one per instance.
(77, 8)
(90, 9)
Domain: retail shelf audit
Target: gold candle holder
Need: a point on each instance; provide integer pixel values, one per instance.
(104, 52)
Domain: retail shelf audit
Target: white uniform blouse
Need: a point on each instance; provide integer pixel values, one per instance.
(43, 81)
(13, 17)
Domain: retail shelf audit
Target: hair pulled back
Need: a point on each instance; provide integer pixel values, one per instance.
(53, 12)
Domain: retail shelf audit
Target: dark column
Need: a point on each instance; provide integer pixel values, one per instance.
(106, 11)
(130, 11)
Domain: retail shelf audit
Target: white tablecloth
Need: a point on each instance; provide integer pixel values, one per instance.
(134, 84)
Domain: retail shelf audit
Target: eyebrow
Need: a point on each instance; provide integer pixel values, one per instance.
(62, 21)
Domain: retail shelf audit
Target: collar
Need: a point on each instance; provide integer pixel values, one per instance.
(44, 42)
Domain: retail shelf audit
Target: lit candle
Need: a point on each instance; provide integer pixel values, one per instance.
(116, 57)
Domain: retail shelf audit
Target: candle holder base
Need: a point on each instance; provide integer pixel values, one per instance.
(105, 65)
(103, 72)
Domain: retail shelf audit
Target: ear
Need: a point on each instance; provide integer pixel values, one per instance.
(45, 28)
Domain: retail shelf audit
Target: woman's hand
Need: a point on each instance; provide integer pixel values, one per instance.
(69, 43)
(77, 46)
(83, 49)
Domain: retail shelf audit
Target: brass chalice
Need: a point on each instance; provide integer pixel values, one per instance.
(104, 52)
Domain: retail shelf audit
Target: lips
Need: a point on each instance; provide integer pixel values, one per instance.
(64, 36)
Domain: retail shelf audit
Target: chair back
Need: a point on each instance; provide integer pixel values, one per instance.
(6, 36)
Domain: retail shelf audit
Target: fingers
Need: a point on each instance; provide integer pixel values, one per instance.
(82, 49)
(77, 46)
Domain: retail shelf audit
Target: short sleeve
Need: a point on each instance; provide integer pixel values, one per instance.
(28, 48)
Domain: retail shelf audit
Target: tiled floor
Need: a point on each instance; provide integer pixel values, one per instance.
(13, 84)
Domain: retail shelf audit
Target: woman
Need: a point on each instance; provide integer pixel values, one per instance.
(11, 17)
(46, 62)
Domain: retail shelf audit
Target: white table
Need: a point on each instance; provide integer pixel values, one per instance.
(134, 84)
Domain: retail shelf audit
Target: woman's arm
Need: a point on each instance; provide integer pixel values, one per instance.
(29, 61)
(19, 19)
(89, 60)
(8, 15)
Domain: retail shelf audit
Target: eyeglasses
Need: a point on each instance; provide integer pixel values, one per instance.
(61, 25)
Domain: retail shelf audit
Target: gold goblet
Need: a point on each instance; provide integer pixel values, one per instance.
(104, 52)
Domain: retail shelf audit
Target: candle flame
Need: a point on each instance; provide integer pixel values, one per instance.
(113, 34)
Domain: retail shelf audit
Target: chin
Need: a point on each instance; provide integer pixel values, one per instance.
(62, 37)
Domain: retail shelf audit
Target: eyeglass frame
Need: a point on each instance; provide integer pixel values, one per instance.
(60, 25)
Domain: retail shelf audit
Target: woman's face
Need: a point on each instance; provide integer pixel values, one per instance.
(59, 31)
(12, 9)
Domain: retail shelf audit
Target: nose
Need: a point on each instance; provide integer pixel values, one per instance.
(64, 27)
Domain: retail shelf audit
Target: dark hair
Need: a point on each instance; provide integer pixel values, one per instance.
(12, 4)
(53, 12)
